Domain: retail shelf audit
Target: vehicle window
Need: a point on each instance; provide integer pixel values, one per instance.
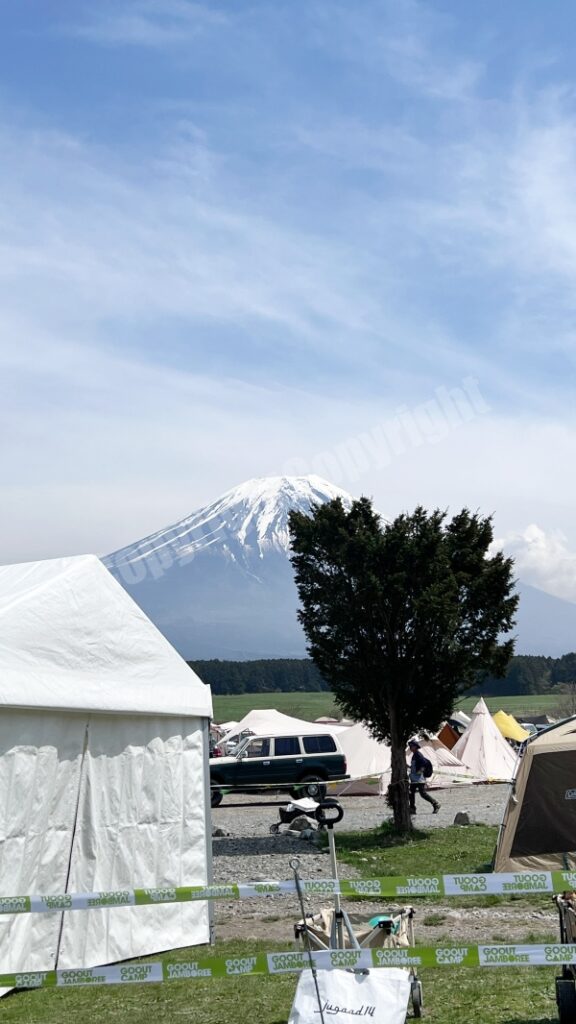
(319, 744)
(286, 745)
(238, 743)
(258, 748)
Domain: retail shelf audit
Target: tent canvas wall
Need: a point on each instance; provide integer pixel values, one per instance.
(448, 769)
(268, 722)
(510, 727)
(103, 781)
(483, 748)
(448, 736)
(538, 831)
(366, 757)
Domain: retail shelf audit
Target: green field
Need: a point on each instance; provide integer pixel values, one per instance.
(233, 707)
(518, 705)
(310, 706)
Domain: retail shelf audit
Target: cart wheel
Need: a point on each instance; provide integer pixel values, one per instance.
(274, 828)
(416, 994)
(566, 1000)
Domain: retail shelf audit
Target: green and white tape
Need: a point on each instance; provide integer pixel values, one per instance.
(287, 962)
(398, 887)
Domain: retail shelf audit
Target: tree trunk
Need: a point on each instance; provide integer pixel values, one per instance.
(398, 791)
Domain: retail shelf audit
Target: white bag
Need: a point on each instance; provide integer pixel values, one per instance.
(380, 996)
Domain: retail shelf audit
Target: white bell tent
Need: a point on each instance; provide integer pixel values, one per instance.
(103, 777)
(483, 748)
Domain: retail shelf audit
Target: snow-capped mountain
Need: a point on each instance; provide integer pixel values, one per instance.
(219, 583)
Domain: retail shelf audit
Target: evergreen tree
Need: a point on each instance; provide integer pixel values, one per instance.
(401, 617)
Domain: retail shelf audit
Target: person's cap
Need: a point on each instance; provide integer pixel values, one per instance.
(413, 743)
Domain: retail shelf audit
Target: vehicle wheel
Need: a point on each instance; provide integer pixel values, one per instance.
(215, 797)
(566, 1000)
(313, 786)
(416, 994)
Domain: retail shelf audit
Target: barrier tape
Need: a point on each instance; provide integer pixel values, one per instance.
(399, 887)
(286, 962)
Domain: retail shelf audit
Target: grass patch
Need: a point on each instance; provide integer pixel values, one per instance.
(451, 996)
(431, 920)
(457, 849)
(484, 996)
(265, 1000)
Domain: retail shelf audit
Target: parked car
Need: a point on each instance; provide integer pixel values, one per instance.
(302, 765)
(215, 749)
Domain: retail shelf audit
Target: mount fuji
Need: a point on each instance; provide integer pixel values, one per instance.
(219, 583)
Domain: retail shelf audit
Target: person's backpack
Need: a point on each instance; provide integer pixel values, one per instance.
(427, 769)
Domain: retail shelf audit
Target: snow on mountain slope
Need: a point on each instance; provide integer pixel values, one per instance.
(219, 582)
(248, 522)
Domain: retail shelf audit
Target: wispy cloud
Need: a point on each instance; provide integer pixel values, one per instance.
(406, 40)
(148, 23)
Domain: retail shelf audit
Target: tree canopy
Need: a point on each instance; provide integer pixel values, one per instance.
(401, 617)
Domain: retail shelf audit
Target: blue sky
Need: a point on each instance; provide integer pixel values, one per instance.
(239, 238)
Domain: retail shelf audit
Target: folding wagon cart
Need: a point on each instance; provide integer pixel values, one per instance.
(334, 928)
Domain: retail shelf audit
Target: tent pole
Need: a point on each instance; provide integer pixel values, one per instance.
(74, 827)
(208, 822)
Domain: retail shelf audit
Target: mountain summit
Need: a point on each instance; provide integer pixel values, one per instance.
(219, 582)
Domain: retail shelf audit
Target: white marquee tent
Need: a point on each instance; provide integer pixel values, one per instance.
(103, 747)
(365, 756)
(267, 722)
(483, 748)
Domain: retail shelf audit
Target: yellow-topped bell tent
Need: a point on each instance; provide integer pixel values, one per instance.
(509, 727)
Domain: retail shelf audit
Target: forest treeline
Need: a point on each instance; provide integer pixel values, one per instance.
(275, 675)
(527, 674)
(532, 674)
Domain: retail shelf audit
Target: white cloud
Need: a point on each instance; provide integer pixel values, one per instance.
(543, 558)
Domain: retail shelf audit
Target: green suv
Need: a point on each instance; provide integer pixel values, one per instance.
(300, 764)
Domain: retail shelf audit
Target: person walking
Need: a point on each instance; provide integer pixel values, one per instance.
(418, 778)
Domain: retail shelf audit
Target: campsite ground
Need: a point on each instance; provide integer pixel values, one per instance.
(248, 852)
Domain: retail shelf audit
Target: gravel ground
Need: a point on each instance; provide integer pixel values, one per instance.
(248, 852)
